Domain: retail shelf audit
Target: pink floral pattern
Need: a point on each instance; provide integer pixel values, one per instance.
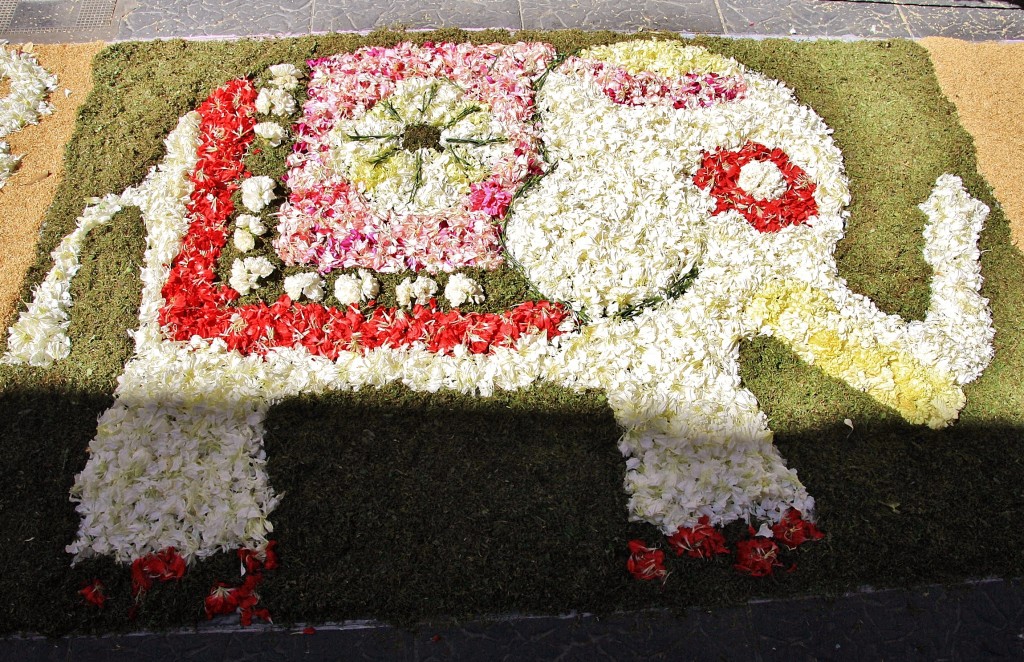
(329, 224)
(693, 90)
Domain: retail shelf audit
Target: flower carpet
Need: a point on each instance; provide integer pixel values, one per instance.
(448, 325)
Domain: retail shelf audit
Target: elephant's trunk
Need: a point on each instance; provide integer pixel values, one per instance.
(917, 368)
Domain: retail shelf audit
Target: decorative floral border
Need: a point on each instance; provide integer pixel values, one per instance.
(327, 221)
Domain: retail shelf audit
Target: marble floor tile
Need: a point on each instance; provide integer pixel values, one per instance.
(973, 24)
(689, 16)
(812, 18)
(153, 19)
(345, 15)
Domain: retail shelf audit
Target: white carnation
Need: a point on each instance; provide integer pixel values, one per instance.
(243, 240)
(421, 290)
(257, 192)
(275, 101)
(285, 76)
(245, 273)
(368, 285)
(272, 132)
(308, 284)
(347, 290)
(353, 288)
(462, 288)
(253, 224)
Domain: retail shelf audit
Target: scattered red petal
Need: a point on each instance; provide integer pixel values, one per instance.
(163, 566)
(757, 557)
(223, 599)
(794, 531)
(259, 559)
(94, 594)
(645, 562)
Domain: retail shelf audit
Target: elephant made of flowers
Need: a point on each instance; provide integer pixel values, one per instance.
(666, 201)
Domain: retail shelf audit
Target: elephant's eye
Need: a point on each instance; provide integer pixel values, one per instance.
(762, 184)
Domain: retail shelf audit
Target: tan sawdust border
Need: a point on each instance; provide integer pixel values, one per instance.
(31, 188)
(985, 81)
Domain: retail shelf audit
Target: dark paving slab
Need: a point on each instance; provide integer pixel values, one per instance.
(153, 19)
(812, 19)
(55, 21)
(342, 15)
(980, 621)
(689, 16)
(971, 24)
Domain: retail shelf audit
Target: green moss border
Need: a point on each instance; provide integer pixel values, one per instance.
(404, 506)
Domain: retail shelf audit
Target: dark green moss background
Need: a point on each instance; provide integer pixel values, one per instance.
(405, 506)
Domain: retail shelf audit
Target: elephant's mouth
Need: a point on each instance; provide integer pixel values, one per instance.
(675, 289)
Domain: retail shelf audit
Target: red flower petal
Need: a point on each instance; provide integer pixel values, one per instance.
(644, 562)
(757, 557)
(94, 594)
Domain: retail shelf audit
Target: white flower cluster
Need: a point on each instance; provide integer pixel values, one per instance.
(461, 288)
(24, 103)
(251, 223)
(286, 76)
(275, 101)
(247, 228)
(272, 132)
(353, 288)
(257, 192)
(308, 284)
(419, 290)
(247, 272)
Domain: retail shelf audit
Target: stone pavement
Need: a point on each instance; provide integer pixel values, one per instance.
(983, 620)
(47, 21)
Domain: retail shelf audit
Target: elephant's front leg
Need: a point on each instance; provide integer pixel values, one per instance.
(695, 441)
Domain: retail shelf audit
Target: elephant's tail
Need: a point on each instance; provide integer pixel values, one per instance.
(39, 336)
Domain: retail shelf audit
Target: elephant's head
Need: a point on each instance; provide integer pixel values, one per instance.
(667, 158)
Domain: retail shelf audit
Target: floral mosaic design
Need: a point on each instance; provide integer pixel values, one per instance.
(666, 201)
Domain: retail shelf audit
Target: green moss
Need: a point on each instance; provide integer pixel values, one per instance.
(402, 505)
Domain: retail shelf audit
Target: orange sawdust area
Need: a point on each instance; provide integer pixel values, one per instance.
(985, 81)
(30, 189)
